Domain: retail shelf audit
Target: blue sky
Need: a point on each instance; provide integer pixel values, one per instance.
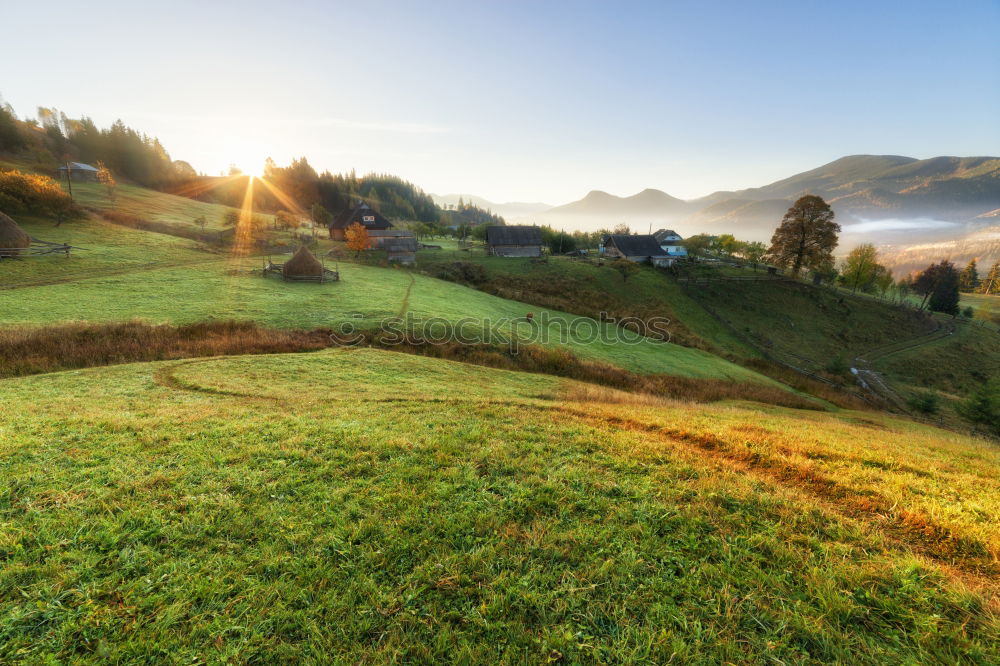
(529, 101)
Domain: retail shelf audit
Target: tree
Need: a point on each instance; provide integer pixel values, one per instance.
(107, 179)
(938, 284)
(806, 236)
(968, 281)
(201, 221)
(357, 238)
(861, 269)
(699, 245)
(10, 134)
(728, 244)
(754, 253)
(621, 230)
(286, 220)
(625, 267)
(231, 218)
(991, 283)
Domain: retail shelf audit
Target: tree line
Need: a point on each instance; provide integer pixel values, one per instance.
(54, 139)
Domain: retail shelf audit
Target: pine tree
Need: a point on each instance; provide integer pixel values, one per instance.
(969, 279)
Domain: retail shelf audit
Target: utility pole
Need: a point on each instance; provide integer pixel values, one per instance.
(69, 179)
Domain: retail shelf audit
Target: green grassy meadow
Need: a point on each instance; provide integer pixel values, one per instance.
(106, 249)
(365, 297)
(364, 506)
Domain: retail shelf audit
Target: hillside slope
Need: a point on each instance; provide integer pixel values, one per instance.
(191, 509)
(365, 298)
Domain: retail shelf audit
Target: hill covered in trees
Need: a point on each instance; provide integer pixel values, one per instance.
(54, 138)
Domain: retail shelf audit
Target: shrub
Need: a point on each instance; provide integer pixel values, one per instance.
(33, 193)
(465, 272)
(983, 407)
(838, 366)
(925, 402)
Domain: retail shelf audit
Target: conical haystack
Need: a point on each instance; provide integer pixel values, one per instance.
(12, 237)
(302, 264)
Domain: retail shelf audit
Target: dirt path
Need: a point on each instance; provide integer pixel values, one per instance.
(405, 305)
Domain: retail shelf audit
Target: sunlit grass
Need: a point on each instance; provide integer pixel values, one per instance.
(366, 506)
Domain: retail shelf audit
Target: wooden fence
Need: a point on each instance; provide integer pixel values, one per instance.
(37, 248)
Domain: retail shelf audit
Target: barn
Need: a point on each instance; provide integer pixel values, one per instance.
(638, 248)
(363, 214)
(514, 241)
(79, 171)
(400, 245)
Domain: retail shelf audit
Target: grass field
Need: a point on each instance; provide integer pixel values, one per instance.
(365, 297)
(585, 286)
(362, 506)
(987, 307)
(106, 249)
(956, 365)
(810, 327)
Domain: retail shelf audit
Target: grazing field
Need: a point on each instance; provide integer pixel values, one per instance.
(588, 288)
(956, 364)
(365, 506)
(105, 249)
(809, 327)
(364, 298)
(987, 306)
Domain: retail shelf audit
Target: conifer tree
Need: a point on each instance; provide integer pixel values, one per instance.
(969, 279)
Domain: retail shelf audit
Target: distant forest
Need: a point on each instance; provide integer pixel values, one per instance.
(132, 156)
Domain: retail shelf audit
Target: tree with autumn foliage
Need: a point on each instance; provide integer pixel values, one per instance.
(806, 237)
(357, 238)
(107, 179)
(991, 283)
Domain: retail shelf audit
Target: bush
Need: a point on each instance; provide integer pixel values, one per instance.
(32, 193)
(465, 272)
(983, 407)
(968, 312)
(925, 402)
(838, 366)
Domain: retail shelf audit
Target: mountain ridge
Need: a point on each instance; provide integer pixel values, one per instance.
(959, 190)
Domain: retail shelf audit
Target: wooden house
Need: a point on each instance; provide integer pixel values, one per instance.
(671, 242)
(514, 241)
(363, 214)
(637, 248)
(400, 245)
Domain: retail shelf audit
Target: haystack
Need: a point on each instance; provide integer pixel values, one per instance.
(12, 237)
(303, 264)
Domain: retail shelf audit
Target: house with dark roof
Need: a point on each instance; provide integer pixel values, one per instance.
(79, 171)
(363, 214)
(671, 242)
(514, 241)
(638, 248)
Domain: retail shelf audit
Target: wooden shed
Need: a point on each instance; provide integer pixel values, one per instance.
(400, 245)
(514, 241)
